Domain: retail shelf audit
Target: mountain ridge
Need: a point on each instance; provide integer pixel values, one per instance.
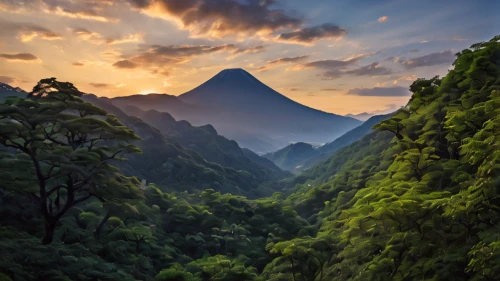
(300, 156)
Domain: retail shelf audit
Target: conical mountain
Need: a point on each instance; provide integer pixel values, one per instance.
(241, 107)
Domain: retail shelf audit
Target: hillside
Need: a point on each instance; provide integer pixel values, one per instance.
(424, 205)
(299, 157)
(290, 157)
(171, 166)
(327, 150)
(230, 100)
(7, 91)
(205, 140)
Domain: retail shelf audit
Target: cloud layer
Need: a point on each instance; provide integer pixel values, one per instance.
(19, 57)
(380, 92)
(444, 57)
(220, 18)
(312, 34)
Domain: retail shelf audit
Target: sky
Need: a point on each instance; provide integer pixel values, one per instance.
(339, 56)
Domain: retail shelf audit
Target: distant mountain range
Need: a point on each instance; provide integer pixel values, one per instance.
(242, 108)
(212, 146)
(361, 116)
(177, 156)
(7, 90)
(301, 156)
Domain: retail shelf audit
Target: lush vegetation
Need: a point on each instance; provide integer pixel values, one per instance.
(417, 199)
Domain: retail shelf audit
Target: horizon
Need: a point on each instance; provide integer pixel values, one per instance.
(338, 58)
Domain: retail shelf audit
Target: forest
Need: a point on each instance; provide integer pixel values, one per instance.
(416, 199)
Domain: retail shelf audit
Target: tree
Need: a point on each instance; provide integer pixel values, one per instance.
(65, 146)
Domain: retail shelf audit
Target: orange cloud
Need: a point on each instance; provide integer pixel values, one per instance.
(97, 39)
(23, 57)
(383, 19)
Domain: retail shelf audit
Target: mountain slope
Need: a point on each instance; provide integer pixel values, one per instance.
(422, 203)
(299, 157)
(327, 150)
(7, 90)
(167, 103)
(290, 157)
(173, 167)
(207, 143)
(242, 108)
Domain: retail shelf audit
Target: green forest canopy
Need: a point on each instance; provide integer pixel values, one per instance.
(417, 199)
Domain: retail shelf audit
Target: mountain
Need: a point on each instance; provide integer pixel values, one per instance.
(7, 90)
(170, 165)
(168, 103)
(205, 140)
(327, 150)
(360, 116)
(290, 157)
(242, 108)
(301, 156)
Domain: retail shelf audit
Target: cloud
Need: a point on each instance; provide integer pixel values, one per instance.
(250, 50)
(383, 19)
(129, 38)
(262, 68)
(13, 6)
(88, 15)
(77, 63)
(372, 69)
(329, 64)
(444, 57)
(405, 78)
(29, 32)
(161, 55)
(332, 74)
(100, 85)
(337, 64)
(414, 50)
(288, 60)
(26, 57)
(221, 18)
(26, 32)
(159, 58)
(329, 90)
(7, 80)
(82, 9)
(337, 68)
(161, 72)
(380, 92)
(312, 34)
(97, 39)
(126, 64)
